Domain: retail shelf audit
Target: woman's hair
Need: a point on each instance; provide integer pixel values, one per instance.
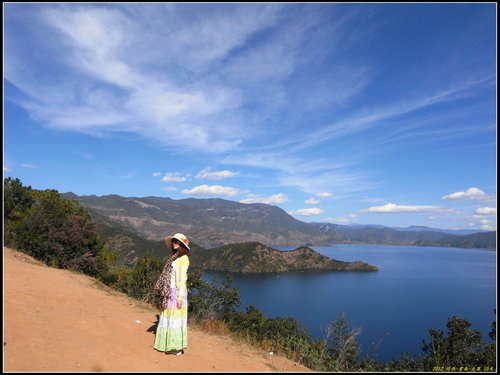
(183, 250)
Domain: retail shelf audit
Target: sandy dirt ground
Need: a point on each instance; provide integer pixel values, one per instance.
(60, 321)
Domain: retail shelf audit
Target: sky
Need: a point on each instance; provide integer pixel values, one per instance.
(347, 113)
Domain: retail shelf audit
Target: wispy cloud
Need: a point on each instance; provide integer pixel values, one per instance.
(314, 176)
(209, 174)
(395, 208)
(28, 166)
(186, 81)
(365, 118)
(324, 194)
(118, 86)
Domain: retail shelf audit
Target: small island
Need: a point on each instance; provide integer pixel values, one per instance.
(256, 257)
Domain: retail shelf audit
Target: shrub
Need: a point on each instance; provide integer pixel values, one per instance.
(209, 301)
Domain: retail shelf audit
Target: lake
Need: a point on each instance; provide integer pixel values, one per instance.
(416, 289)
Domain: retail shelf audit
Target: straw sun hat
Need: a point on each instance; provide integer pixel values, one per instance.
(178, 236)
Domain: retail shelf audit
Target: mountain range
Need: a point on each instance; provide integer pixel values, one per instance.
(217, 222)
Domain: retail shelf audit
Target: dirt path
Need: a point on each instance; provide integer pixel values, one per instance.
(57, 320)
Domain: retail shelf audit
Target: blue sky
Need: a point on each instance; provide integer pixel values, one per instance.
(344, 113)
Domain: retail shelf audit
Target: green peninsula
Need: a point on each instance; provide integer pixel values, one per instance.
(256, 257)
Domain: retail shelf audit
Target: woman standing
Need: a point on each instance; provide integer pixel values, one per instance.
(171, 334)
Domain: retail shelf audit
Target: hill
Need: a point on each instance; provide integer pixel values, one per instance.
(65, 322)
(255, 257)
(128, 244)
(476, 240)
(212, 222)
(409, 237)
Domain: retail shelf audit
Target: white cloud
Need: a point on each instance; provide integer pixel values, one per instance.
(478, 217)
(345, 219)
(173, 177)
(28, 166)
(337, 220)
(156, 174)
(487, 224)
(208, 174)
(5, 169)
(212, 190)
(472, 193)
(486, 211)
(273, 199)
(394, 208)
(489, 227)
(169, 188)
(307, 212)
(311, 201)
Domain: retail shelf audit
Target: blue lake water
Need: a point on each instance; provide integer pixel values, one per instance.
(416, 289)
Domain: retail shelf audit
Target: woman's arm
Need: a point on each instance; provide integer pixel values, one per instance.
(181, 278)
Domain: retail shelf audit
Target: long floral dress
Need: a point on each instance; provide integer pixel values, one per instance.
(171, 333)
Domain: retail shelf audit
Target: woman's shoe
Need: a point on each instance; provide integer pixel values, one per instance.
(175, 352)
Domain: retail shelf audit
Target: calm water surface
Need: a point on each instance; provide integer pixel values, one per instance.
(417, 288)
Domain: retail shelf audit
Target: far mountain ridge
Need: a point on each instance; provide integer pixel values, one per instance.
(411, 228)
(215, 222)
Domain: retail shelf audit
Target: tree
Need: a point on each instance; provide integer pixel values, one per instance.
(342, 345)
(210, 301)
(16, 198)
(57, 231)
(139, 281)
(461, 348)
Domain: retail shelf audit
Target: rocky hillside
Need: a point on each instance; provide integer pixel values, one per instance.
(211, 222)
(255, 257)
(215, 222)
